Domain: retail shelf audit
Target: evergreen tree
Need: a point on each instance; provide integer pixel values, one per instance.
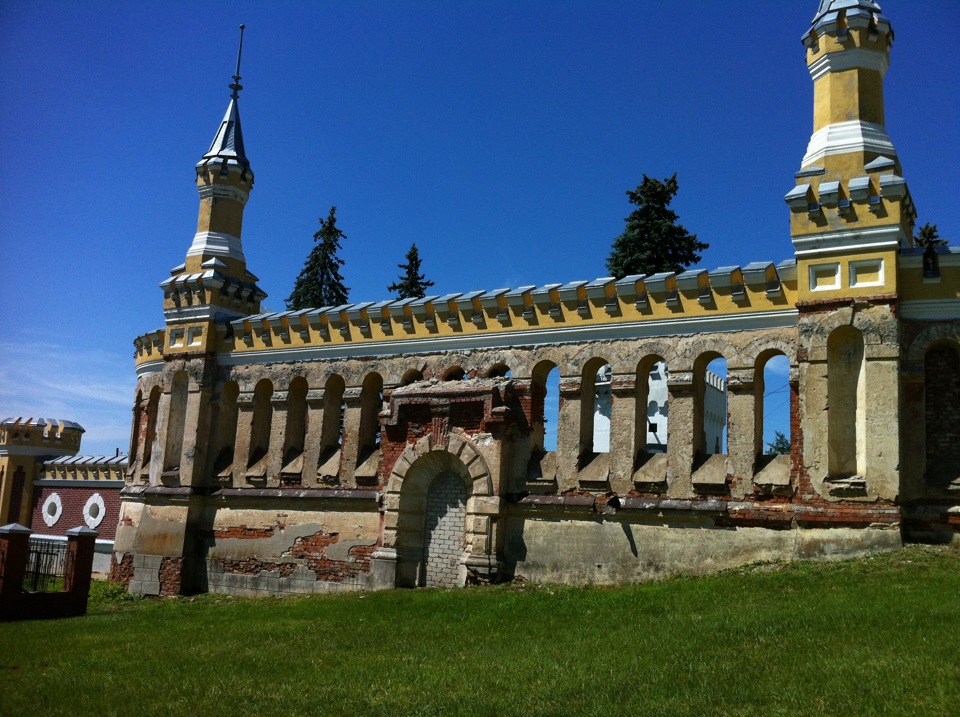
(653, 241)
(928, 237)
(780, 445)
(412, 284)
(320, 283)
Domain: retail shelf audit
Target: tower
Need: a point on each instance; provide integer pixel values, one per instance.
(213, 285)
(851, 215)
(851, 210)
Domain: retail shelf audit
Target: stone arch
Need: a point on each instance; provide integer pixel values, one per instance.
(814, 333)
(939, 333)
(456, 444)
(406, 503)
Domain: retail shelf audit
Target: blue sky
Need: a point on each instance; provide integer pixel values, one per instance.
(500, 136)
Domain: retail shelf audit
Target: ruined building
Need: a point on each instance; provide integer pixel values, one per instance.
(401, 443)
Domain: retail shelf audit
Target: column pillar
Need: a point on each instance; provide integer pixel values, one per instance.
(680, 437)
(278, 432)
(623, 448)
(743, 432)
(14, 549)
(241, 449)
(313, 441)
(351, 435)
(568, 433)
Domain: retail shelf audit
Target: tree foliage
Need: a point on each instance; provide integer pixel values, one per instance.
(780, 445)
(320, 283)
(928, 237)
(653, 241)
(412, 284)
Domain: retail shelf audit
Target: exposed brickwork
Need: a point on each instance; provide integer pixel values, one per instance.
(171, 573)
(312, 551)
(942, 379)
(255, 566)
(121, 572)
(240, 532)
(798, 473)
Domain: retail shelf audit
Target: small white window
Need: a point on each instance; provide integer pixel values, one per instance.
(94, 511)
(52, 510)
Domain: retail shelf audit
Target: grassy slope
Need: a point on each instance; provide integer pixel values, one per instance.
(870, 637)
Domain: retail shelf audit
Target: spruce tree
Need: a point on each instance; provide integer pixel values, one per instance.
(928, 237)
(319, 283)
(653, 241)
(412, 284)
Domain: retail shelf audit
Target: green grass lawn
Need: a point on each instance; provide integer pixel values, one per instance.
(878, 636)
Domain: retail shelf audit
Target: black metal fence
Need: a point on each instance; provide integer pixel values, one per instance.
(46, 566)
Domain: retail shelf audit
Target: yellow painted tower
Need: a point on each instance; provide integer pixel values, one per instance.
(213, 284)
(851, 211)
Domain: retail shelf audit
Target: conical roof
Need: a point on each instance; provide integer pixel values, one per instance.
(227, 145)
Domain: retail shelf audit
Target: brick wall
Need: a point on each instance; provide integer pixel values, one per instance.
(73, 499)
(942, 379)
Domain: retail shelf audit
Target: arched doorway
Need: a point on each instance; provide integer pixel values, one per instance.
(440, 514)
(444, 532)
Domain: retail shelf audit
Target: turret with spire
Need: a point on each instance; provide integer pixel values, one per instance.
(850, 196)
(213, 285)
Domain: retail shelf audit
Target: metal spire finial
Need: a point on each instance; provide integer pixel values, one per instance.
(236, 86)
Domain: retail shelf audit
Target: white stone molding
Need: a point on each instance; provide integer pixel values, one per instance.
(854, 58)
(846, 137)
(216, 244)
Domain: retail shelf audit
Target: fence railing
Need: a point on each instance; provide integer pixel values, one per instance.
(46, 565)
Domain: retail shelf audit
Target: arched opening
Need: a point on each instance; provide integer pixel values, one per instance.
(846, 403)
(416, 493)
(368, 437)
(941, 368)
(544, 418)
(594, 409)
(454, 373)
(499, 370)
(331, 433)
(545, 406)
(260, 429)
(176, 423)
(652, 406)
(772, 403)
(150, 435)
(710, 405)
(225, 427)
(411, 376)
(294, 439)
